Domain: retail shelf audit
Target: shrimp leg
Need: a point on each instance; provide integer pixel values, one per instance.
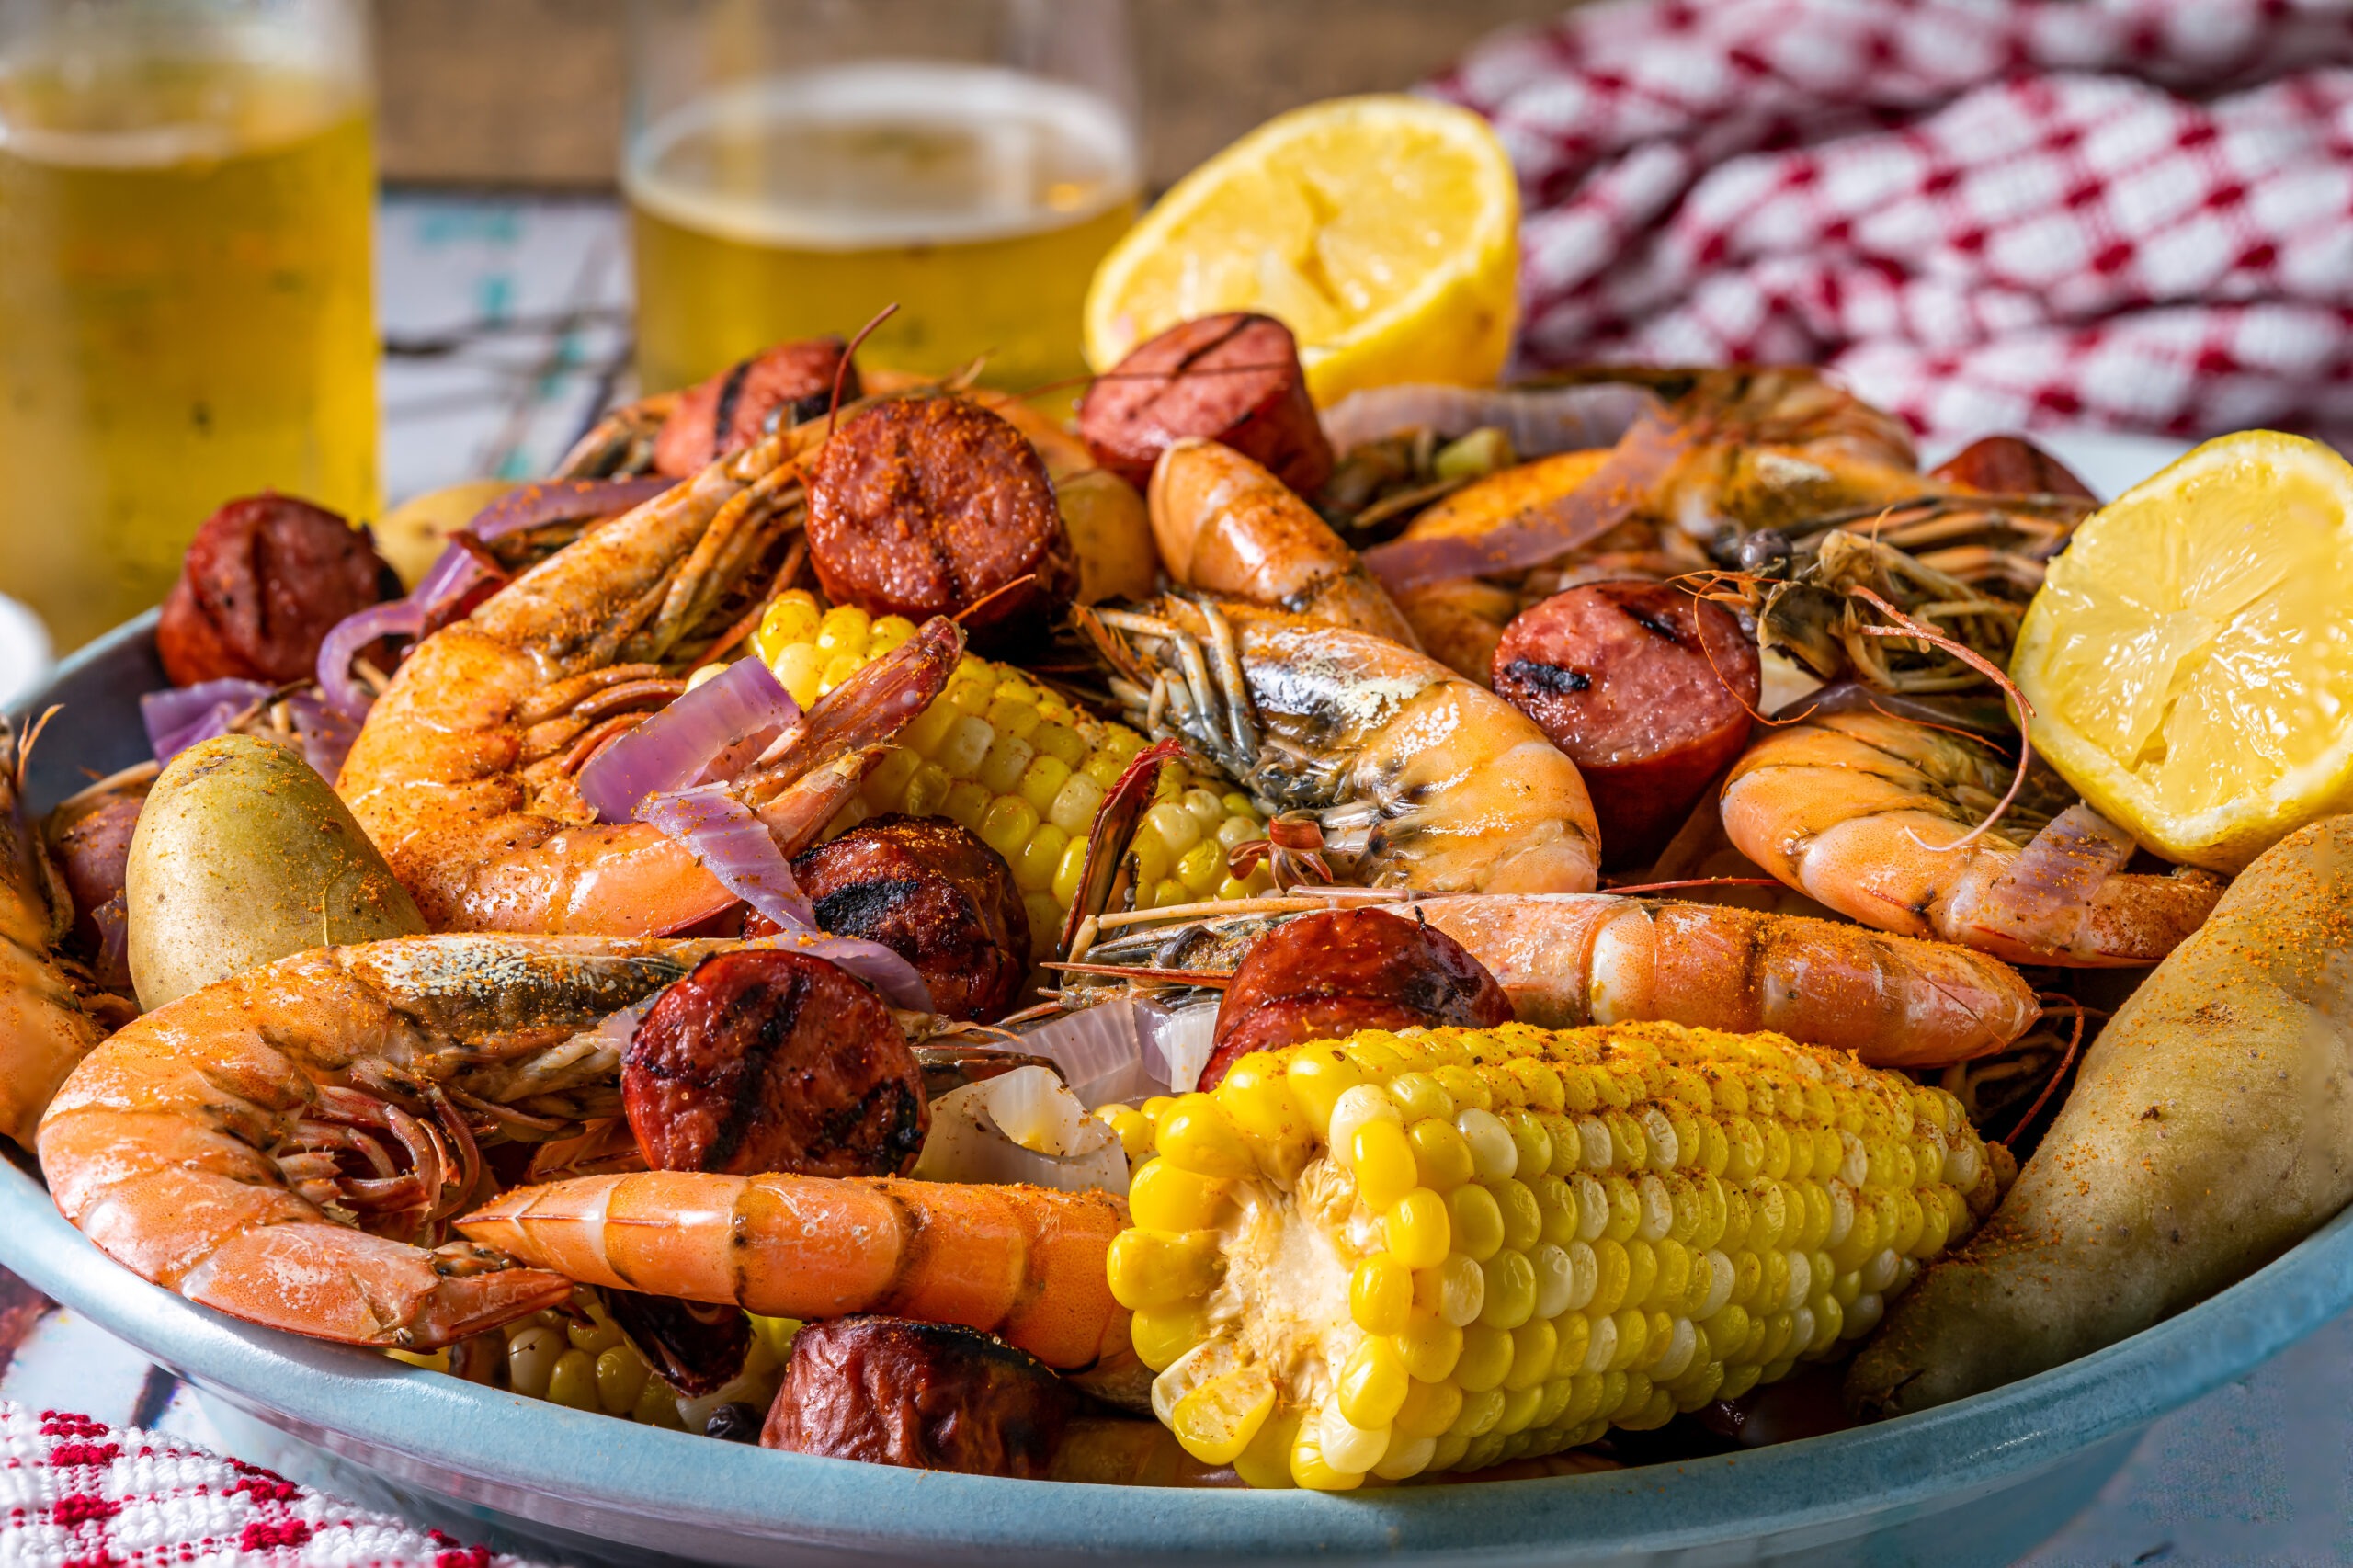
(44, 1029)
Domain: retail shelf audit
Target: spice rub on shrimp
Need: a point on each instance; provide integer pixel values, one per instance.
(1875, 815)
(284, 1145)
(45, 1027)
(1412, 775)
(465, 773)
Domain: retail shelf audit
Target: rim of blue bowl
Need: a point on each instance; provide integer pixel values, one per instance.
(1914, 1464)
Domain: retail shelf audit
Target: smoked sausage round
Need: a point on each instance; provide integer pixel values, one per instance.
(931, 891)
(766, 1059)
(1232, 379)
(921, 1395)
(926, 505)
(2011, 465)
(1326, 975)
(777, 387)
(264, 581)
(1647, 686)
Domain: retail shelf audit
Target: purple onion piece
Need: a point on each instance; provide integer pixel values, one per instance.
(394, 618)
(562, 501)
(179, 718)
(735, 714)
(327, 732)
(1539, 421)
(735, 847)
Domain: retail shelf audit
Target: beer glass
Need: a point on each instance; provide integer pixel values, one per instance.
(792, 167)
(185, 189)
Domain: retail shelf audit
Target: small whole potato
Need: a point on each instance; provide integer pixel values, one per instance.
(413, 534)
(1111, 532)
(244, 855)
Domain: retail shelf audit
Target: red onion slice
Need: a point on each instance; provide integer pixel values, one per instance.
(176, 719)
(873, 962)
(1539, 421)
(1625, 479)
(709, 733)
(394, 618)
(562, 501)
(1126, 1049)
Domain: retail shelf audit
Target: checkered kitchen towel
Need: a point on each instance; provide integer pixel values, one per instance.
(78, 1494)
(1984, 213)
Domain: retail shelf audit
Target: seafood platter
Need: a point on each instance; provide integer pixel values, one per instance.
(1599, 969)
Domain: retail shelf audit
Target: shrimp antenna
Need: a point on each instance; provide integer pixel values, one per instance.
(1025, 580)
(841, 369)
(2066, 1060)
(32, 738)
(1907, 627)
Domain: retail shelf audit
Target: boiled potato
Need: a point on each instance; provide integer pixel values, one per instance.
(1112, 534)
(244, 855)
(412, 535)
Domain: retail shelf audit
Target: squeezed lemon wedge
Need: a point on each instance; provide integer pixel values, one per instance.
(1383, 230)
(2190, 655)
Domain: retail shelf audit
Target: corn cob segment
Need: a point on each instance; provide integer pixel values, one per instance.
(1019, 766)
(1438, 1250)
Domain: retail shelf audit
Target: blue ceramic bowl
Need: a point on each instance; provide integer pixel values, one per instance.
(1976, 1483)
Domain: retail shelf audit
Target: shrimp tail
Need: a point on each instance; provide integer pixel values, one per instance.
(1024, 1263)
(332, 1282)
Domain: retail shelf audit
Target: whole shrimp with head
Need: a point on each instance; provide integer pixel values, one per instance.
(1411, 775)
(45, 1027)
(280, 1145)
(466, 773)
(1898, 821)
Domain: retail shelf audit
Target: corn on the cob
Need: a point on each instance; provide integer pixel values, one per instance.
(1019, 766)
(1441, 1249)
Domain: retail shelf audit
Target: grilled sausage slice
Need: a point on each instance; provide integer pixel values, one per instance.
(264, 581)
(925, 506)
(1232, 379)
(1647, 687)
(920, 1395)
(777, 387)
(1326, 975)
(766, 1059)
(931, 891)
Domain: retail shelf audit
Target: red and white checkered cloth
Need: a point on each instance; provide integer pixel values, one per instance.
(1984, 214)
(78, 1494)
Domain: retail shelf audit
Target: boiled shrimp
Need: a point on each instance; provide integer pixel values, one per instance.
(1874, 814)
(1568, 960)
(1414, 776)
(282, 1145)
(465, 773)
(1024, 1263)
(45, 1027)
(1229, 527)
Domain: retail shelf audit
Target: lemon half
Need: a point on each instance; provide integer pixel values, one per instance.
(2190, 655)
(1383, 230)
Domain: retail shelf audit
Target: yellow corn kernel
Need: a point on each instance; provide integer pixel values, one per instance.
(1417, 1228)
(843, 630)
(792, 618)
(1428, 1347)
(1372, 1385)
(1162, 1268)
(1383, 1161)
(1509, 1297)
(1198, 1136)
(838, 668)
(620, 1378)
(656, 1406)
(1165, 1196)
(1486, 1356)
(1534, 1346)
(1042, 783)
(1440, 1155)
(1381, 1295)
(887, 633)
(1265, 1463)
(1478, 1224)
(1070, 872)
(1161, 1334)
(1201, 867)
(1003, 765)
(800, 668)
(572, 1380)
(1014, 711)
(1179, 829)
(1040, 855)
(1217, 1420)
(967, 803)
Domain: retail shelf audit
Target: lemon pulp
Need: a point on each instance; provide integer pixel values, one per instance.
(2190, 655)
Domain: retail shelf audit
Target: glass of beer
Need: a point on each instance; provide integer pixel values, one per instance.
(185, 312)
(792, 167)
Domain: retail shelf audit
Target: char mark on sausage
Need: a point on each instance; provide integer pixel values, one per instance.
(263, 583)
(931, 891)
(1647, 687)
(1326, 975)
(920, 1395)
(1234, 379)
(768, 1060)
(780, 386)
